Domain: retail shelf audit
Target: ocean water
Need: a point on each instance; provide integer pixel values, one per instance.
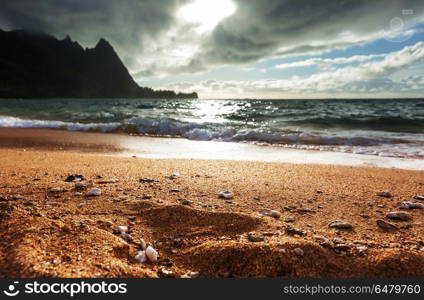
(391, 127)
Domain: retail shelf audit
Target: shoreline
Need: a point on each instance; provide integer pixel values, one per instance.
(124, 145)
(50, 228)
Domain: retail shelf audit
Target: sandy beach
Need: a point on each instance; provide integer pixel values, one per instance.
(50, 228)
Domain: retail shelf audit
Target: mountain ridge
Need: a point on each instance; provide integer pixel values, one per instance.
(38, 65)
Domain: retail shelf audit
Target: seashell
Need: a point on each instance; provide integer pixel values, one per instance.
(94, 192)
(122, 229)
(166, 273)
(270, 213)
(399, 215)
(340, 225)
(174, 175)
(141, 257)
(193, 274)
(151, 254)
(226, 195)
(143, 244)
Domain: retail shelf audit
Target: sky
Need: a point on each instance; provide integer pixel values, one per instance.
(248, 48)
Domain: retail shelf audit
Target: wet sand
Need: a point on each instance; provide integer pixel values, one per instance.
(64, 233)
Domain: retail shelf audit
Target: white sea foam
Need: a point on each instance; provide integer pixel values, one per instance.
(7, 121)
(386, 147)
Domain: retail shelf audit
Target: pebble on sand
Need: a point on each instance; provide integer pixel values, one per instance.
(386, 225)
(292, 231)
(82, 185)
(141, 257)
(106, 181)
(94, 192)
(299, 252)
(151, 254)
(410, 205)
(340, 225)
(75, 177)
(270, 213)
(166, 273)
(419, 197)
(399, 215)
(147, 180)
(125, 236)
(226, 195)
(56, 190)
(254, 237)
(384, 194)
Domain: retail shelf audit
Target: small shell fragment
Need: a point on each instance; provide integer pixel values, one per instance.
(141, 257)
(143, 244)
(226, 195)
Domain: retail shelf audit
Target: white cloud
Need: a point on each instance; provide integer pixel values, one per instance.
(329, 61)
(368, 78)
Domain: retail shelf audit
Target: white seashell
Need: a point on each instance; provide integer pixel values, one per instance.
(141, 257)
(122, 229)
(151, 254)
(226, 195)
(143, 244)
(94, 192)
(175, 175)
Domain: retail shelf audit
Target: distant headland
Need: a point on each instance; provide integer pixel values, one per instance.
(37, 65)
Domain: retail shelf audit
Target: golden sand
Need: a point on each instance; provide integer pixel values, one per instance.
(67, 234)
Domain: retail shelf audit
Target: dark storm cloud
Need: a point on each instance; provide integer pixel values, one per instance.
(128, 24)
(261, 29)
(146, 32)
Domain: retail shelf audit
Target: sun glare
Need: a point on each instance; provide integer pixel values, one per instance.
(206, 13)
